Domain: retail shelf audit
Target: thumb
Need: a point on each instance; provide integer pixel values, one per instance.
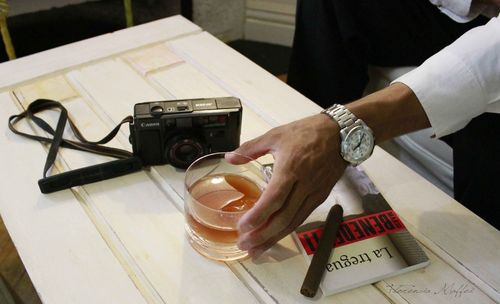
(249, 150)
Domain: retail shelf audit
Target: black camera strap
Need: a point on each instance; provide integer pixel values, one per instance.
(127, 163)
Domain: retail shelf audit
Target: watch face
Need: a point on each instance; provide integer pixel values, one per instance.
(357, 146)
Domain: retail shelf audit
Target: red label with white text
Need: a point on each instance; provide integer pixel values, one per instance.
(354, 230)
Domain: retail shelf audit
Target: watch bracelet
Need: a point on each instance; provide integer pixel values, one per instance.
(341, 115)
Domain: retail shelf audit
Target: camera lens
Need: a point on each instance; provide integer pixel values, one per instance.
(182, 151)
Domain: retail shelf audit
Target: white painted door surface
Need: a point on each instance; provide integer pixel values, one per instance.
(122, 240)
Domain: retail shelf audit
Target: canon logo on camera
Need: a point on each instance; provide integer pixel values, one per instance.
(150, 124)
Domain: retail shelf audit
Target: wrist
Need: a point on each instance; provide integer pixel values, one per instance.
(391, 112)
(330, 131)
(356, 138)
(333, 138)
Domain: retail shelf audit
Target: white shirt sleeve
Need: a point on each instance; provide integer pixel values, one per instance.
(461, 81)
(465, 10)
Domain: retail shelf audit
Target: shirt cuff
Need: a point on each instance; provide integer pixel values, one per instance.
(459, 11)
(449, 99)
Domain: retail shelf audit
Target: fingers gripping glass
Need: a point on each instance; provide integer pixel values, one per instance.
(216, 195)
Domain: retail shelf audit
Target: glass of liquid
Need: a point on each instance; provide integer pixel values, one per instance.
(216, 195)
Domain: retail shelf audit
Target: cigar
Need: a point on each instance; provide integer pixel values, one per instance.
(321, 256)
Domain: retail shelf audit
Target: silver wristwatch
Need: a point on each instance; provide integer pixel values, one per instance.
(356, 138)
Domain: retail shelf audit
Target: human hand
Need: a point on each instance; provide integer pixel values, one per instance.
(307, 166)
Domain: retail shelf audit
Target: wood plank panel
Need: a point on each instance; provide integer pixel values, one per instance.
(437, 282)
(197, 85)
(45, 227)
(270, 21)
(445, 223)
(143, 226)
(273, 17)
(267, 96)
(13, 273)
(56, 88)
(278, 275)
(78, 53)
(183, 82)
(147, 60)
(268, 31)
(277, 6)
(148, 224)
(443, 282)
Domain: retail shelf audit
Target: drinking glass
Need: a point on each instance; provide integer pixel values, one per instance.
(216, 195)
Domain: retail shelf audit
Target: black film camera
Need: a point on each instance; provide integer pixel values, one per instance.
(178, 132)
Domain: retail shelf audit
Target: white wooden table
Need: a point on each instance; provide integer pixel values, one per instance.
(122, 240)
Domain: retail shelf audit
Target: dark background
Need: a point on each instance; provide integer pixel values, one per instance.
(43, 30)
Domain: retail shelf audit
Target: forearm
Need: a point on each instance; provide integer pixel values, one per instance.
(391, 112)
